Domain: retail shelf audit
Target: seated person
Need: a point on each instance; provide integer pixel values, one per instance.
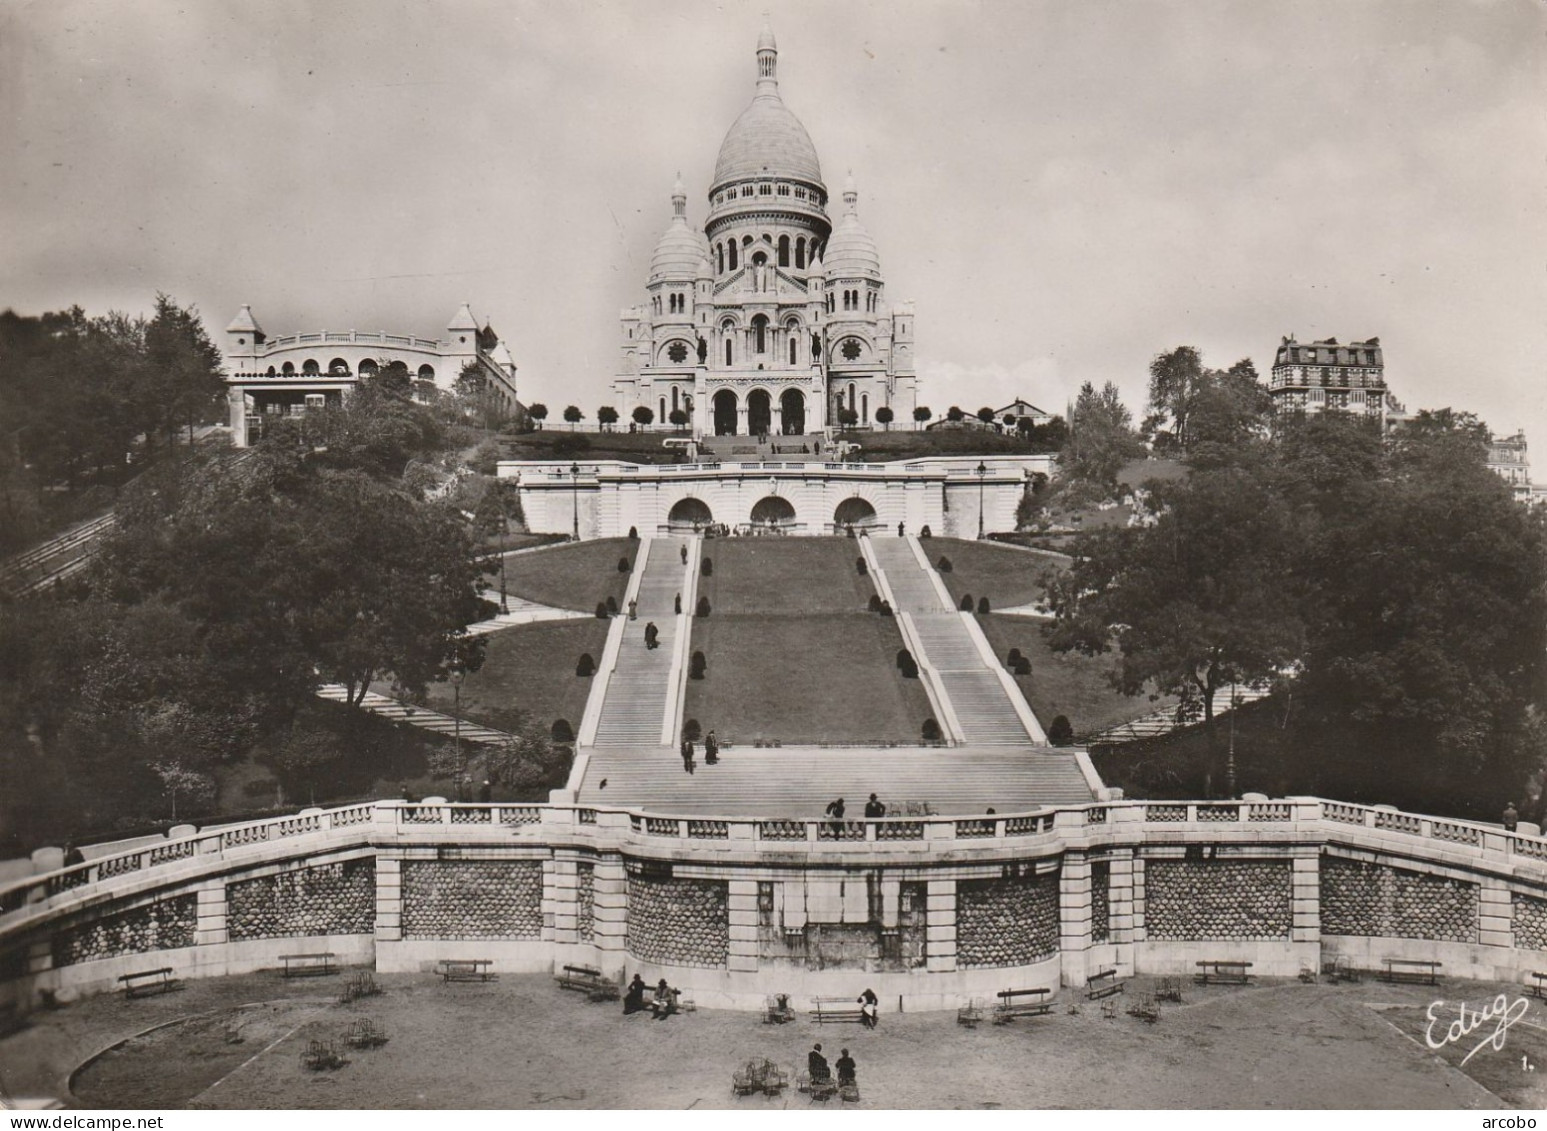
(664, 1004)
(816, 1066)
(634, 1000)
(869, 1008)
(845, 1069)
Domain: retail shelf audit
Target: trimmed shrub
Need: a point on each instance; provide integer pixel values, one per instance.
(886, 608)
(910, 668)
(562, 731)
(944, 564)
(633, 534)
(1013, 658)
(925, 533)
(903, 656)
(623, 566)
(707, 568)
(697, 666)
(612, 604)
(1060, 733)
(874, 604)
(966, 602)
(859, 566)
(931, 731)
(703, 607)
(586, 667)
(982, 606)
(691, 730)
(601, 610)
(1022, 666)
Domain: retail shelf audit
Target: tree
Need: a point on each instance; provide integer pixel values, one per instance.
(848, 418)
(1009, 420)
(530, 763)
(884, 417)
(986, 415)
(1211, 413)
(606, 416)
(921, 414)
(678, 418)
(1101, 437)
(954, 414)
(573, 416)
(1175, 378)
(1205, 598)
(538, 412)
(643, 415)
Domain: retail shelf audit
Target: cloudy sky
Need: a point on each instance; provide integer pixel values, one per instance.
(1063, 188)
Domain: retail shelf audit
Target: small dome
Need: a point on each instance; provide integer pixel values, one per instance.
(679, 253)
(850, 251)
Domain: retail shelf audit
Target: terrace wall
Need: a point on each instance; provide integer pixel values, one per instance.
(924, 911)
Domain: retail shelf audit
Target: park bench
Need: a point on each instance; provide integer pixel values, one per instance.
(1022, 1003)
(143, 983)
(1536, 984)
(467, 970)
(836, 1009)
(970, 1012)
(589, 981)
(1222, 972)
(1421, 970)
(1103, 983)
(308, 965)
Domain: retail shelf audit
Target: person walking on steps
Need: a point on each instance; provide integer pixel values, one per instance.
(687, 755)
(633, 610)
(677, 605)
(651, 635)
(711, 749)
(684, 554)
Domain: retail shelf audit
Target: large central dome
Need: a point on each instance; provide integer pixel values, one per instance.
(767, 140)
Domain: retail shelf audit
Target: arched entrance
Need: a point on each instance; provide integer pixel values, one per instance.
(759, 412)
(689, 512)
(773, 511)
(725, 413)
(792, 407)
(854, 512)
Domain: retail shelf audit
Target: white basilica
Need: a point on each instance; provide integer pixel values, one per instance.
(775, 319)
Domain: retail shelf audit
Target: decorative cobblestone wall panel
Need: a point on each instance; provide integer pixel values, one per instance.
(1100, 901)
(585, 902)
(1217, 899)
(1010, 922)
(328, 899)
(163, 925)
(472, 899)
(678, 922)
(1530, 922)
(1359, 898)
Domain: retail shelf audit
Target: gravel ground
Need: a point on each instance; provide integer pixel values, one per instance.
(523, 1043)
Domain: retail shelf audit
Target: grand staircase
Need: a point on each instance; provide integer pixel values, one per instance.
(982, 705)
(636, 698)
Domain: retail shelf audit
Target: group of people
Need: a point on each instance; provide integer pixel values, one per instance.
(819, 1071)
(711, 751)
(874, 810)
(662, 1004)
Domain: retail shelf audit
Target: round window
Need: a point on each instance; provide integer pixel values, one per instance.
(678, 352)
(851, 349)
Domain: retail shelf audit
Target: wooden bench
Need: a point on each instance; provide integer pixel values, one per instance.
(1223, 972)
(467, 969)
(1022, 1003)
(836, 1009)
(1419, 970)
(589, 981)
(146, 982)
(1103, 983)
(1536, 984)
(308, 965)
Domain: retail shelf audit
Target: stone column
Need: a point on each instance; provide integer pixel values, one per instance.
(210, 915)
(741, 897)
(237, 403)
(610, 912)
(389, 900)
(940, 927)
(1495, 914)
(1074, 916)
(1120, 905)
(560, 899)
(1305, 924)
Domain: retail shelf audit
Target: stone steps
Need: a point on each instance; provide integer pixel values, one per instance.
(635, 703)
(421, 717)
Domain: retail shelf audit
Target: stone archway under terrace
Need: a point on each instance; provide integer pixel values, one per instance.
(759, 412)
(855, 512)
(792, 412)
(689, 514)
(724, 413)
(773, 511)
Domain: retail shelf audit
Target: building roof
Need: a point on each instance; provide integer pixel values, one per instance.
(463, 319)
(244, 322)
(1021, 407)
(681, 253)
(767, 140)
(850, 249)
(1328, 352)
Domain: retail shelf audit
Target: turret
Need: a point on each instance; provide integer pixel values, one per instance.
(243, 339)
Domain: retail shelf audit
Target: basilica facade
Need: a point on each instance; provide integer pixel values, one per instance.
(774, 318)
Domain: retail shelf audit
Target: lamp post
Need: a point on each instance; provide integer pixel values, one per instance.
(982, 472)
(504, 530)
(456, 714)
(574, 471)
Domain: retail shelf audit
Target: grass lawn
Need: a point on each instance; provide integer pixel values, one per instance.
(804, 679)
(556, 441)
(530, 667)
(881, 445)
(1064, 683)
(1007, 577)
(572, 576)
(785, 575)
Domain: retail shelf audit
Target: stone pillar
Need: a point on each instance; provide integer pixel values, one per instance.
(1120, 903)
(1495, 914)
(210, 916)
(1305, 924)
(940, 927)
(389, 900)
(741, 898)
(236, 401)
(560, 899)
(1074, 916)
(610, 912)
